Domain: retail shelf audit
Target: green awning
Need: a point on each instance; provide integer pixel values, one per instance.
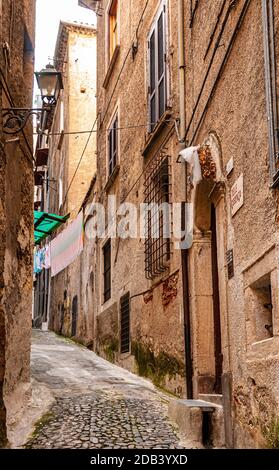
(45, 224)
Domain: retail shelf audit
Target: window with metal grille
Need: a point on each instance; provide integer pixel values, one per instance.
(107, 270)
(157, 96)
(157, 192)
(125, 323)
(112, 145)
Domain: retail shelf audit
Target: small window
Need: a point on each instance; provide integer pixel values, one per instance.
(261, 296)
(107, 270)
(113, 145)
(113, 27)
(157, 90)
(125, 323)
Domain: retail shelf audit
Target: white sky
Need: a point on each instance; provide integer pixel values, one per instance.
(49, 13)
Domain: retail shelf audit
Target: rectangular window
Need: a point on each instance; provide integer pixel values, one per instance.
(157, 193)
(113, 145)
(157, 69)
(125, 323)
(113, 27)
(107, 270)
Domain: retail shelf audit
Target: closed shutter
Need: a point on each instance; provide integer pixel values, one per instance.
(157, 69)
(113, 145)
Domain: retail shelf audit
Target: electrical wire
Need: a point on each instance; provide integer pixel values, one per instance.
(81, 158)
(124, 62)
(137, 180)
(11, 102)
(108, 105)
(108, 130)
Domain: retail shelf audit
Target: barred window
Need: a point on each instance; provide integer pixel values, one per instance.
(157, 193)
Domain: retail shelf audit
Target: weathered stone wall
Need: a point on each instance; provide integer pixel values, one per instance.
(17, 21)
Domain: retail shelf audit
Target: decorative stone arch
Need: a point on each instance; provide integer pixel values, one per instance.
(207, 276)
(208, 190)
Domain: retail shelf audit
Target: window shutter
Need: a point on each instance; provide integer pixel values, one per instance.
(115, 141)
(110, 146)
(157, 70)
(161, 66)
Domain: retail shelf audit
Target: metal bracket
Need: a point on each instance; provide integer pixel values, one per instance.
(15, 119)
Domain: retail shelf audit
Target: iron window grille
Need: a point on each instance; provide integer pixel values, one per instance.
(158, 223)
(113, 145)
(107, 270)
(125, 323)
(157, 90)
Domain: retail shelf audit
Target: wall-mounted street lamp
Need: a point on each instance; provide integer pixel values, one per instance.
(50, 84)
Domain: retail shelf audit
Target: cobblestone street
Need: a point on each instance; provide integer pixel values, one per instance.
(97, 404)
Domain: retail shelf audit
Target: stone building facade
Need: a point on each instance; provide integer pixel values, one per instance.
(17, 31)
(71, 170)
(201, 322)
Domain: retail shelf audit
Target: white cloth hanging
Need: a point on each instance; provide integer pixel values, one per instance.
(191, 156)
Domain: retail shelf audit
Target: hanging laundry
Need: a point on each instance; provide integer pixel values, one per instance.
(38, 261)
(47, 260)
(67, 246)
(191, 156)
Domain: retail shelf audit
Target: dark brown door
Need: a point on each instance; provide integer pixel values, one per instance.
(216, 304)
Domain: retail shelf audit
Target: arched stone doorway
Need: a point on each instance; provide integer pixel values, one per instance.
(208, 280)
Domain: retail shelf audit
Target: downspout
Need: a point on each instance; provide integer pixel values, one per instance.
(270, 82)
(181, 64)
(184, 252)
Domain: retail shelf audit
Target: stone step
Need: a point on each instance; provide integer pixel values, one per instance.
(189, 416)
(204, 405)
(212, 398)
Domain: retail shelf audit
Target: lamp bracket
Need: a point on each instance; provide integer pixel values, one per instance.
(15, 119)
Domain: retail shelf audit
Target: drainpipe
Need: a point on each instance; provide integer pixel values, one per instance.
(270, 82)
(181, 64)
(184, 253)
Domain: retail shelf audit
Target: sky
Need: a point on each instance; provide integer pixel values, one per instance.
(48, 15)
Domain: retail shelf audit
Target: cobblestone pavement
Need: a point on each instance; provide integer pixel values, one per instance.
(97, 404)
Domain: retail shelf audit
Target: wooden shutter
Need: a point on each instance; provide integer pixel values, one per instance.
(113, 145)
(157, 69)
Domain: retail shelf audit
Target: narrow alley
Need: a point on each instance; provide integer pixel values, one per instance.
(97, 404)
(139, 228)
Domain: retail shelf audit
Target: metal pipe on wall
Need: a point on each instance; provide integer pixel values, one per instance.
(181, 65)
(270, 83)
(184, 253)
